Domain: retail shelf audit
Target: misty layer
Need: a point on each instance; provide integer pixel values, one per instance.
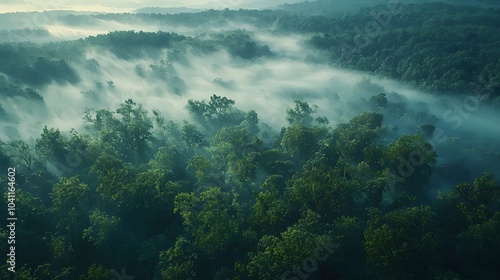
(164, 70)
(389, 39)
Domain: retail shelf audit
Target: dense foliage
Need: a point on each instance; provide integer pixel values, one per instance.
(214, 199)
(437, 47)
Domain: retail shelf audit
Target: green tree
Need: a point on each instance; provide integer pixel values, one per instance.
(232, 150)
(33, 229)
(427, 130)
(192, 136)
(171, 161)
(272, 213)
(218, 112)
(302, 114)
(325, 190)
(379, 100)
(128, 130)
(477, 248)
(412, 159)
(215, 229)
(71, 201)
(284, 256)
(5, 159)
(22, 154)
(114, 180)
(151, 202)
(104, 234)
(96, 272)
(136, 127)
(179, 261)
(252, 121)
(53, 148)
(69, 195)
(206, 173)
(301, 142)
(356, 139)
(403, 244)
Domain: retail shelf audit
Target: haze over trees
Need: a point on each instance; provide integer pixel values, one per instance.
(255, 152)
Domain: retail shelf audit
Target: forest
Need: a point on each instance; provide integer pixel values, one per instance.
(252, 144)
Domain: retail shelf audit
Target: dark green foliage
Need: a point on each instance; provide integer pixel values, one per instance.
(354, 139)
(475, 248)
(128, 129)
(403, 244)
(393, 41)
(11, 90)
(240, 45)
(189, 204)
(413, 159)
(302, 114)
(379, 100)
(28, 67)
(214, 114)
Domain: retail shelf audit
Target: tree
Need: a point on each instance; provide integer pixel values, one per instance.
(325, 190)
(427, 130)
(271, 162)
(412, 159)
(5, 159)
(270, 211)
(206, 173)
(52, 147)
(291, 254)
(192, 136)
(217, 113)
(230, 143)
(149, 257)
(104, 233)
(215, 230)
(178, 262)
(468, 204)
(114, 179)
(403, 244)
(171, 161)
(96, 272)
(302, 113)
(71, 199)
(301, 142)
(477, 248)
(167, 133)
(128, 129)
(150, 202)
(219, 105)
(22, 154)
(33, 228)
(354, 139)
(136, 127)
(379, 100)
(251, 121)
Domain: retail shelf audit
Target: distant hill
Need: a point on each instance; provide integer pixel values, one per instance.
(175, 10)
(329, 7)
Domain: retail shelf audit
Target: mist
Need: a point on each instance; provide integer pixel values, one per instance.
(288, 69)
(268, 85)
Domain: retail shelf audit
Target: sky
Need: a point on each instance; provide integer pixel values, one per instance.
(131, 5)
